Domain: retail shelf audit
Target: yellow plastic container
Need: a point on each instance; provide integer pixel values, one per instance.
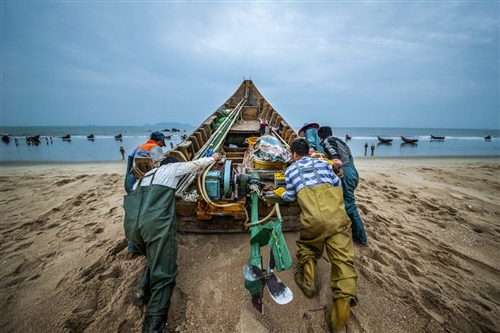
(279, 179)
(251, 140)
(268, 165)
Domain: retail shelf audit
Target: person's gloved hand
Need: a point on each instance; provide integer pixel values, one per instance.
(279, 191)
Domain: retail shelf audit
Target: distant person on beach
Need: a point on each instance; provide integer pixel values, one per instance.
(324, 224)
(373, 148)
(366, 147)
(152, 149)
(337, 149)
(16, 141)
(151, 223)
(123, 152)
(310, 132)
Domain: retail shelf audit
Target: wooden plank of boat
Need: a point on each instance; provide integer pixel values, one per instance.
(245, 115)
(384, 140)
(406, 140)
(433, 137)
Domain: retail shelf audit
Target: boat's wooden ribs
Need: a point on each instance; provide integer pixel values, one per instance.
(196, 144)
(187, 149)
(203, 133)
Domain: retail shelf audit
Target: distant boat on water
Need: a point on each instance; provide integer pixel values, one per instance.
(407, 140)
(91, 136)
(119, 136)
(384, 140)
(66, 137)
(437, 137)
(348, 137)
(488, 137)
(5, 138)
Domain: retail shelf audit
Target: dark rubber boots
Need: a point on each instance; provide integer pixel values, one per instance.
(154, 323)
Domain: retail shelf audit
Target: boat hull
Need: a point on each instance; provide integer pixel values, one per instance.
(383, 140)
(232, 130)
(406, 140)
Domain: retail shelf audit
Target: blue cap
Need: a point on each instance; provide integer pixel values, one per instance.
(155, 136)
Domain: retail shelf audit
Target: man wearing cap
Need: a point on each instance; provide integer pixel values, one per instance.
(310, 132)
(153, 149)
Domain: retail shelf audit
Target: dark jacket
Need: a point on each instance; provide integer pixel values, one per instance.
(336, 148)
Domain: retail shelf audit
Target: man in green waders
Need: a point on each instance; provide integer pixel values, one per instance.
(323, 223)
(151, 224)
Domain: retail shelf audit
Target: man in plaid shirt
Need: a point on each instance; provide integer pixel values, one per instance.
(324, 224)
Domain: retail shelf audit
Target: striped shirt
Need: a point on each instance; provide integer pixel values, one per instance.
(170, 174)
(295, 183)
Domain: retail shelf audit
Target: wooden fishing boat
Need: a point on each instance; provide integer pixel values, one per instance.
(406, 140)
(221, 198)
(384, 140)
(433, 137)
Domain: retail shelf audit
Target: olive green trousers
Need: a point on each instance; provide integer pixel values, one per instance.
(325, 225)
(151, 224)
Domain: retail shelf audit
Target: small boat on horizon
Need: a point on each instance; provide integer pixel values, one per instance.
(488, 137)
(118, 137)
(384, 140)
(91, 136)
(348, 137)
(437, 137)
(407, 140)
(66, 137)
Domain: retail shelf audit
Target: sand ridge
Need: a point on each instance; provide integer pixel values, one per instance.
(432, 263)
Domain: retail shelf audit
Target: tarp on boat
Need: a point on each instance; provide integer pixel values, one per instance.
(268, 148)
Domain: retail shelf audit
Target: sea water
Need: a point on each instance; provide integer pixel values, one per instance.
(104, 147)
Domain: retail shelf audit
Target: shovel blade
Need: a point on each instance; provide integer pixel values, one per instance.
(252, 272)
(278, 290)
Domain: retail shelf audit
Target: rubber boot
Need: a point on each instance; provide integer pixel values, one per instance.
(306, 278)
(154, 323)
(341, 311)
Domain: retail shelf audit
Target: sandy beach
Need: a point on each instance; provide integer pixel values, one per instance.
(432, 263)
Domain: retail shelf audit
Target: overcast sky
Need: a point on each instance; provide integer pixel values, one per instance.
(345, 63)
